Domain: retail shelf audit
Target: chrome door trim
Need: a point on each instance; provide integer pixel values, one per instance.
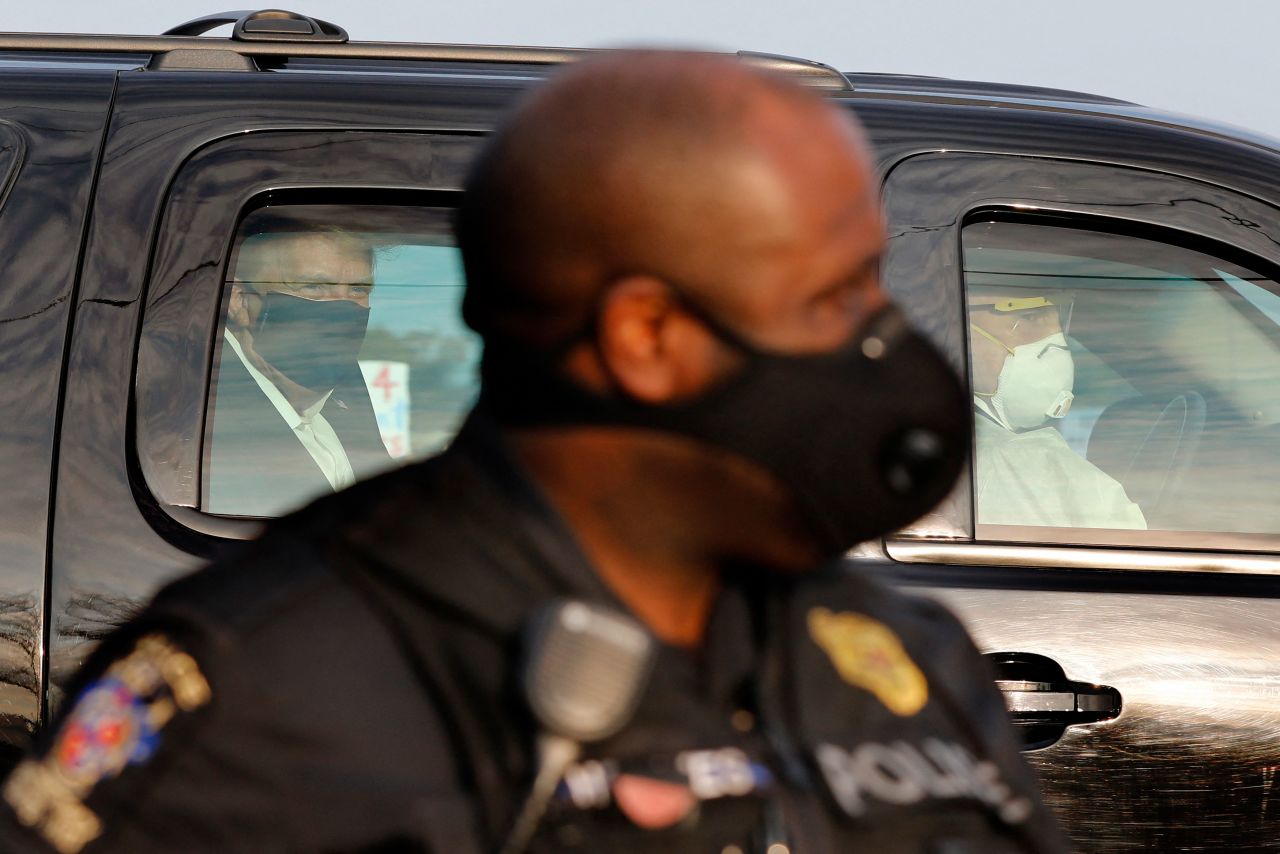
(1075, 557)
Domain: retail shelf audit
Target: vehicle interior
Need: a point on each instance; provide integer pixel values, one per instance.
(1175, 353)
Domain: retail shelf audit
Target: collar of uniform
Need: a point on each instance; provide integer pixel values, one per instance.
(470, 533)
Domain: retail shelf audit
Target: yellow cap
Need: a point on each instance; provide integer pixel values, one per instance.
(1015, 303)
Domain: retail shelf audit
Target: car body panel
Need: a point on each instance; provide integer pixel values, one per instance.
(1190, 764)
(51, 128)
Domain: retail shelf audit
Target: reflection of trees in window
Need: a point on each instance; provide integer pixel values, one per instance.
(93, 615)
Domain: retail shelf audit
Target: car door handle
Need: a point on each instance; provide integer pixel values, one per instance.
(1043, 702)
(1069, 702)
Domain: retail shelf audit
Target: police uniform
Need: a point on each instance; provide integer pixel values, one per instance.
(350, 682)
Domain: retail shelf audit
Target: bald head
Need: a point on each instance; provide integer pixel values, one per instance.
(688, 167)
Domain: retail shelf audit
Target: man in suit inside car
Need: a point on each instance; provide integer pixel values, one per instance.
(291, 414)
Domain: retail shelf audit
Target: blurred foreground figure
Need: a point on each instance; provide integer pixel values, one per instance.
(695, 397)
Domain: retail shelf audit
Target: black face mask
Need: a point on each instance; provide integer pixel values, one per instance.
(868, 438)
(312, 342)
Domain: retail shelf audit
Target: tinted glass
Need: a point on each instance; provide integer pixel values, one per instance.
(340, 353)
(1125, 389)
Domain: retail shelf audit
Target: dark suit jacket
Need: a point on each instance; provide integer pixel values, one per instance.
(255, 465)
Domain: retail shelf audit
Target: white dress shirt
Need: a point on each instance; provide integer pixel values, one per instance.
(311, 428)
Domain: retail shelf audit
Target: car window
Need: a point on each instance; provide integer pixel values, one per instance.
(340, 353)
(1259, 297)
(1120, 384)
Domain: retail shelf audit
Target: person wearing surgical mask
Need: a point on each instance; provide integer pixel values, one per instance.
(1023, 385)
(291, 416)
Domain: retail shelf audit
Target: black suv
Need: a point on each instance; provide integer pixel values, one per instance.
(1105, 276)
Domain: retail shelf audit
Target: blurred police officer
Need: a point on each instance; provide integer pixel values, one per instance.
(694, 395)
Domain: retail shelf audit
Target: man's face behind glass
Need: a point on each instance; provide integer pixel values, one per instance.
(299, 305)
(1012, 329)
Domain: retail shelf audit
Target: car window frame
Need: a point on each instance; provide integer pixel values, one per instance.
(923, 270)
(206, 202)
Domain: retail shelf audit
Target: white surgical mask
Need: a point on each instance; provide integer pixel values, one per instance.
(1035, 383)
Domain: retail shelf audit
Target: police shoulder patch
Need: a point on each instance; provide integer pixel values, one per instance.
(867, 654)
(115, 722)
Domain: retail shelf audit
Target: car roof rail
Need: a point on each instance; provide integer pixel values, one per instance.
(248, 25)
(814, 73)
(266, 37)
(264, 25)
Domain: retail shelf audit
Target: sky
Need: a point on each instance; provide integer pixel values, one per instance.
(1217, 60)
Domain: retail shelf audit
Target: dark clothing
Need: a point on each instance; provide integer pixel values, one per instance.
(362, 660)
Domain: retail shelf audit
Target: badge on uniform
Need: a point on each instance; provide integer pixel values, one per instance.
(867, 654)
(115, 722)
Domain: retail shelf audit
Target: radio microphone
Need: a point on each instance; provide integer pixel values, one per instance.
(586, 670)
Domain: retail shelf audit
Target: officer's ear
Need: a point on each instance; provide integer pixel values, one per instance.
(650, 346)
